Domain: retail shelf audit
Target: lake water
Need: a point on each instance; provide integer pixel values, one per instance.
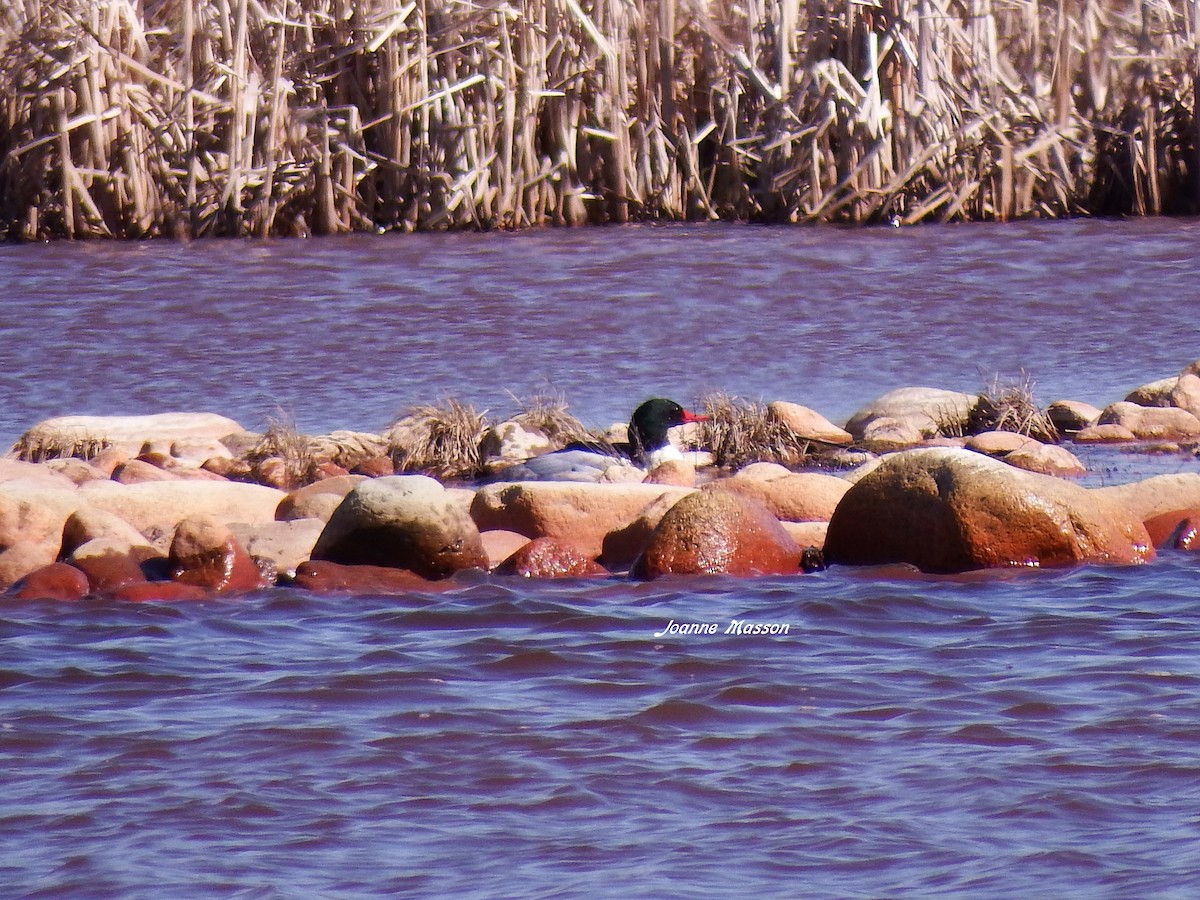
(1012, 734)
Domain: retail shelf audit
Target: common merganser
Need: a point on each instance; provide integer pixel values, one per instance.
(649, 446)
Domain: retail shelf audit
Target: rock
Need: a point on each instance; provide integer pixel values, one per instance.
(156, 508)
(31, 514)
(1151, 422)
(807, 424)
(205, 553)
(139, 471)
(1186, 394)
(928, 412)
(20, 559)
(57, 581)
(1175, 530)
(157, 592)
(37, 474)
(807, 534)
(195, 453)
(510, 442)
(1104, 434)
(74, 435)
(404, 521)
(1156, 393)
(317, 500)
(1071, 415)
(107, 566)
(323, 576)
(998, 443)
(580, 513)
(499, 545)
(1047, 459)
(948, 510)
(890, 433)
(1153, 496)
(677, 472)
(791, 497)
(375, 467)
(77, 471)
(622, 546)
(284, 544)
(88, 524)
(718, 532)
(548, 557)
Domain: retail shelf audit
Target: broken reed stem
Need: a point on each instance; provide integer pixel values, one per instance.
(231, 117)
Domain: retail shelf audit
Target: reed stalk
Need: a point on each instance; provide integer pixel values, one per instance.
(280, 117)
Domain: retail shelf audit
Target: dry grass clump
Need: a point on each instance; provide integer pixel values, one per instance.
(37, 445)
(739, 432)
(549, 415)
(283, 441)
(1009, 405)
(438, 439)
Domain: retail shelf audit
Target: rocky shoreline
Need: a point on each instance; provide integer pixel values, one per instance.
(183, 506)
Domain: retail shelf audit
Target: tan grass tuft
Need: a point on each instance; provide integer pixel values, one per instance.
(441, 440)
(740, 432)
(37, 445)
(283, 440)
(1009, 405)
(550, 416)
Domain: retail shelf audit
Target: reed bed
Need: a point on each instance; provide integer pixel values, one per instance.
(134, 118)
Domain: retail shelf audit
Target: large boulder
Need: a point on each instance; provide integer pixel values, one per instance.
(56, 581)
(285, 545)
(718, 532)
(1072, 415)
(84, 435)
(548, 557)
(925, 411)
(31, 513)
(1151, 422)
(156, 508)
(1186, 394)
(1154, 496)
(790, 496)
(1155, 393)
(20, 559)
(581, 514)
(317, 500)
(404, 521)
(948, 510)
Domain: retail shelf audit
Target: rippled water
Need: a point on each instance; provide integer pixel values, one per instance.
(1007, 734)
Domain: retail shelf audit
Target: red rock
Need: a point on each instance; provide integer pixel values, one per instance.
(712, 532)
(375, 467)
(547, 557)
(157, 591)
(323, 576)
(205, 553)
(106, 572)
(21, 559)
(57, 581)
(500, 545)
(1176, 530)
(947, 511)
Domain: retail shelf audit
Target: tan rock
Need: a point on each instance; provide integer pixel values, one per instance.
(928, 412)
(510, 442)
(499, 545)
(677, 472)
(1156, 393)
(77, 471)
(406, 521)
(890, 433)
(947, 510)
(139, 471)
(580, 513)
(156, 508)
(718, 532)
(65, 435)
(1151, 422)
(1048, 459)
(284, 544)
(998, 443)
(40, 474)
(1153, 496)
(19, 559)
(1104, 434)
(791, 497)
(32, 513)
(1072, 415)
(624, 545)
(807, 534)
(1186, 394)
(807, 423)
(88, 523)
(317, 500)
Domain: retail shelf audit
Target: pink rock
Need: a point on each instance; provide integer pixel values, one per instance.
(547, 557)
(205, 553)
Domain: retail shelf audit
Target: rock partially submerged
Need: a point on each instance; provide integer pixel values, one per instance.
(948, 510)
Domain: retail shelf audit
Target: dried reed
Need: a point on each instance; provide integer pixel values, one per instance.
(438, 439)
(1009, 405)
(550, 416)
(277, 117)
(740, 431)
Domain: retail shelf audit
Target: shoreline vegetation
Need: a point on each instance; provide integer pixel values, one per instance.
(191, 118)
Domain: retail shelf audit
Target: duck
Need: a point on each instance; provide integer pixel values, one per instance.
(648, 447)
